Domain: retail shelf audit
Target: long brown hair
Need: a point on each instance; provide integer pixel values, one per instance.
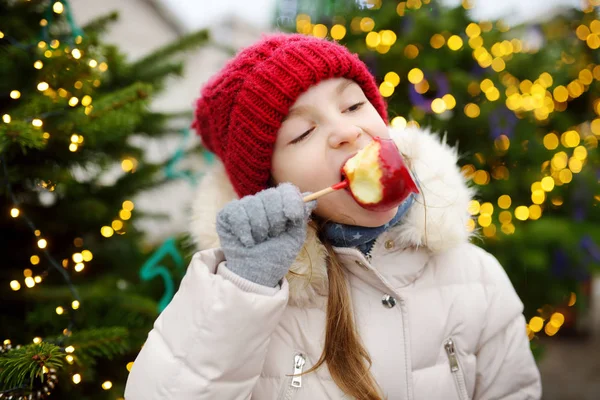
(347, 359)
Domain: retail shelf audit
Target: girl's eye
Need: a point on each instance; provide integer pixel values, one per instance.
(356, 106)
(302, 137)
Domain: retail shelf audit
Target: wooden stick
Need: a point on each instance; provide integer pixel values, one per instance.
(331, 189)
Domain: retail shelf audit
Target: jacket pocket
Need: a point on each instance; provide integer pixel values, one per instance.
(456, 370)
(295, 382)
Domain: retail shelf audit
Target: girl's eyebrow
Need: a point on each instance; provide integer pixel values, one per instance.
(301, 110)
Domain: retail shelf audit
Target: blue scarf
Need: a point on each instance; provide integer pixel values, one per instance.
(363, 238)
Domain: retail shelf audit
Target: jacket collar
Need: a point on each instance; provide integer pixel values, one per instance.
(436, 222)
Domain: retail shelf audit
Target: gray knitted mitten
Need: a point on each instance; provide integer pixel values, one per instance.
(261, 235)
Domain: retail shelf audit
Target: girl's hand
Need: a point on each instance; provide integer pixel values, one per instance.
(261, 235)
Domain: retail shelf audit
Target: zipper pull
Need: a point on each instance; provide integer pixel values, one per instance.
(299, 362)
(449, 345)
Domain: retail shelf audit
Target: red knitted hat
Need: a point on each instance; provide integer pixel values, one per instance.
(242, 107)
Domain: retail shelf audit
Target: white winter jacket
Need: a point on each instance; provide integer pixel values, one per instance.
(438, 315)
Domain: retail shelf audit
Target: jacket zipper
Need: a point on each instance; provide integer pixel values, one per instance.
(459, 378)
(299, 361)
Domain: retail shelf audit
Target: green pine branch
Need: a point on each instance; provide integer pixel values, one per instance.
(97, 343)
(21, 366)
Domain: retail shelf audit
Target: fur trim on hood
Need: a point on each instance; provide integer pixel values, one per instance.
(437, 220)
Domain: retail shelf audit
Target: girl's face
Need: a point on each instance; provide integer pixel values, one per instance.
(327, 124)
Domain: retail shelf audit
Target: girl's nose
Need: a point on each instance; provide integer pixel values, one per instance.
(348, 134)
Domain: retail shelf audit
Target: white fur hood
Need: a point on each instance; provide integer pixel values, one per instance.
(436, 221)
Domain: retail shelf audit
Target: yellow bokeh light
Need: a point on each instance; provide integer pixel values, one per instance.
(422, 87)
(86, 100)
(570, 139)
(498, 64)
(397, 122)
(77, 257)
(127, 165)
(437, 41)
(474, 207)
(546, 79)
(547, 183)
(572, 299)
(73, 101)
(593, 41)
(538, 197)
(505, 217)
(35, 260)
(557, 319)
(73, 147)
(58, 7)
(338, 31)
(586, 77)
(69, 349)
(107, 231)
(14, 212)
(560, 94)
(42, 243)
(455, 42)
(551, 141)
(484, 220)
(117, 225)
(504, 202)
(372, 39)
(75, 304)
(15, 94)
(70, 359)
(87, 255)
(502, 143)
(319, 30)
(386, 89)
(487, 209)
(124, 215)
(473, 30)
(415, 75)
(79, 267)
(37, 123)
(367, 24)
(580, 153)
(42, 86)
(411, 51)
(536, 324)
(489, 231)
(481, 177)
(486, 85)
(59, 310)
(29, 282)
(76, 379)
(438, 106)
(129, 366)
(575, 165)
(550, 330)
(470, 225)
(472, 110)
(522, 213)
(565, 176)
(27, 272)
(388, 38)
(37, 279)
(392, 78)
(450, 101)
(15, 285)
(76, 53)
(102, 67)
(106, 385)
(559, 161)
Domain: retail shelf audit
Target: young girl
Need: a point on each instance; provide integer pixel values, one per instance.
(328, 300)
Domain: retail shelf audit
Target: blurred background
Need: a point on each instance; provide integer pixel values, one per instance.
(99, 167)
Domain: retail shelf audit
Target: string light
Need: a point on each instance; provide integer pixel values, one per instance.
(38, 64)
(79, 267)
(58, 7)
(14, 212)
(42, 243)
(76, 379)
(75, 305)
(69, 349)
(107, 385)
(37, 122)
(94, 63)
(87, 255)
(76, 53)
(106, 231)
(15, 285)
(125, 215)
(29, 282)
(6, 118)
(15, 94)
(59, 310)
(37, 340)
(70, 359)
(415, 76)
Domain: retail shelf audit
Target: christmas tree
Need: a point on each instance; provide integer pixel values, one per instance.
(70, 106)
(522, 105)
